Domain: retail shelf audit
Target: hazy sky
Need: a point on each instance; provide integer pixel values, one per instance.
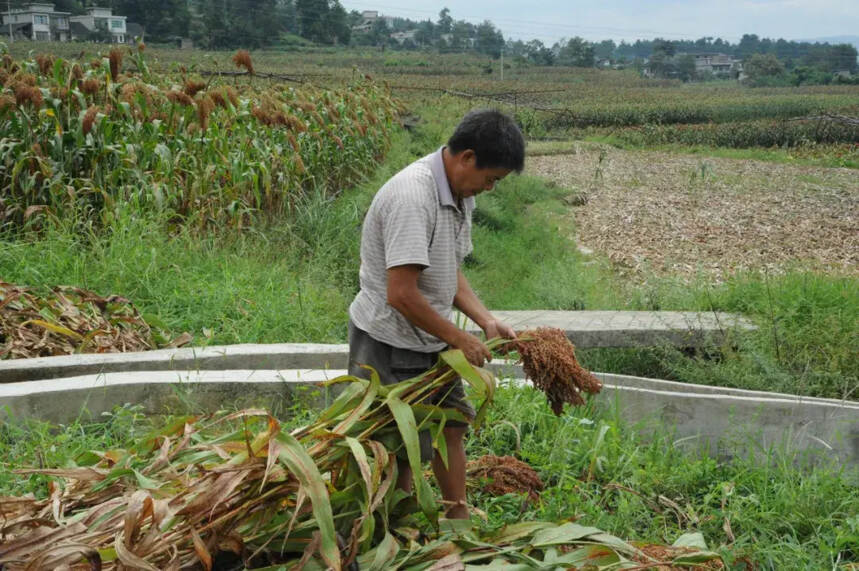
(550, 20)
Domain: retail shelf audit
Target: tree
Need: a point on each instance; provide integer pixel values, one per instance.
(445, 22)
(311, 16)
(664, 47)
(763, 69)
(749, 44)
(379, 33)
(576, 52)
(842, 57)
(489, 41)
(605, 49)
(339, 28)
(704, 44)
(161, 19)
(461, 32)
(686, 67)
(661, 65)
(425, 33)
(538, 53)
(73, 6)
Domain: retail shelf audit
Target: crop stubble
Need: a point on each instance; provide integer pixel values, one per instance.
(665, 213)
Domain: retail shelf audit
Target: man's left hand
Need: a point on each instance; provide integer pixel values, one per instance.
(496, 328)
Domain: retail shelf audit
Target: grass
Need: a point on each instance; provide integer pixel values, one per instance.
(832, 156)
(808, 321)
(293, 280)
(598, 471)
(290, 280)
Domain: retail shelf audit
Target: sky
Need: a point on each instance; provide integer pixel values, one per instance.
(550, 20)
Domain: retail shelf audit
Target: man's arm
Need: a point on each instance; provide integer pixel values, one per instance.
(467, 302)
(404, 296)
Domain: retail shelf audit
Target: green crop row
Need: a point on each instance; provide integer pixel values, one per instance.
(745, 134)
(80, 138)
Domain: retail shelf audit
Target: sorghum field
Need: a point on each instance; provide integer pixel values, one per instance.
(222, 194)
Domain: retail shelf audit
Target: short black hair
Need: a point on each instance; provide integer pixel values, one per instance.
(493, 136)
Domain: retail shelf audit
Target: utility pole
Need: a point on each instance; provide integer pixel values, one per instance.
(9, 9)
(502, 63)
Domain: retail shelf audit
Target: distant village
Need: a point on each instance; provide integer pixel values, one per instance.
(686, 60)
(41, 22)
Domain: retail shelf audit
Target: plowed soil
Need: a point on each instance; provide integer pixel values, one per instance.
(689, 214)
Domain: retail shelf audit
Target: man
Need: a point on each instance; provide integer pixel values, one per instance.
(415, 236)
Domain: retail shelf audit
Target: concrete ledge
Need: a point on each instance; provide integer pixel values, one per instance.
(163, 392)
(215, 358)
(586, 329)
(593, 329)
(725, 420)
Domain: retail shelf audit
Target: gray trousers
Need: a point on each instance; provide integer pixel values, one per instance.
(394, 365)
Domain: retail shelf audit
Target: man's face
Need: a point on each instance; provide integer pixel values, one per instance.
(471, 180)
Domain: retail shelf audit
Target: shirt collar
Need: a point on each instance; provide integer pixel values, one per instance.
(445, 195)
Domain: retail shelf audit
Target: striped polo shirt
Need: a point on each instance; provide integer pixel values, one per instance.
(413, 219)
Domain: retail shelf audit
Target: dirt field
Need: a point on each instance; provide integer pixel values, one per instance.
(686, 214)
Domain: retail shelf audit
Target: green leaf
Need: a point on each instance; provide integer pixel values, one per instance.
(694, 539)
(694, 558)
(512, 532)
(345, 401)
(366, 402)
(562, 534)
(146, 483)
(55, 328)
(615, 543)
(455, 526)
(409, 433)
(302, 466)
(360, 456)
(481, 381)
(383, 555)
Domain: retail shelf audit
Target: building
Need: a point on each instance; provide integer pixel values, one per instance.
(37, 21)
(101, 19)
(369, 19)
(717, 64)
(403, 37)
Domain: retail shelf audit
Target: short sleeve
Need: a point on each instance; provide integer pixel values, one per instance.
(407, 227)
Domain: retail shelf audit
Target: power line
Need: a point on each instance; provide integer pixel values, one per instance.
(581, 28)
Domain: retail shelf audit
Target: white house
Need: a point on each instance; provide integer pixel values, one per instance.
(37, 21)
(369, 19)
(401, 37)
(718, 64)
(101, 19)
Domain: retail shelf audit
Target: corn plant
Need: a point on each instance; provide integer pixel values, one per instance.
(322, 496)
(79, 139)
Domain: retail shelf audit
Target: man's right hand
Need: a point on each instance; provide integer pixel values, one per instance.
(475, 351)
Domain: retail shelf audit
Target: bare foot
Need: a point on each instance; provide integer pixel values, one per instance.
(459, 511)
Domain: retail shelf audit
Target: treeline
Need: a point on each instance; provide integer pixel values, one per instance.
(790, 53)
(444, 34)
(762, 62)
(224, 24)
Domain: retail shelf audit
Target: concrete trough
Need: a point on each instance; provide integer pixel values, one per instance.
(586, 329)
(726, 421)
(606, 329)
(274, 356)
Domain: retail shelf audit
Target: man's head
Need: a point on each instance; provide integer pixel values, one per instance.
(485, 147)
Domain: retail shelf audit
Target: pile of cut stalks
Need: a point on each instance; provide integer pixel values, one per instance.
(236, 491)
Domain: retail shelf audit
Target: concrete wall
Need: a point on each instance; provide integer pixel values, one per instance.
(726, 421)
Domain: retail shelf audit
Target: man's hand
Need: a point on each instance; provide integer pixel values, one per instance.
(475, 351)
(496, 328)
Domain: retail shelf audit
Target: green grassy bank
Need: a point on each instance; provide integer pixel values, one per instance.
(292, 280)
(762, 513)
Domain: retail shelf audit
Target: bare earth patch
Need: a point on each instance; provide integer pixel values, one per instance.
(686, 214)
